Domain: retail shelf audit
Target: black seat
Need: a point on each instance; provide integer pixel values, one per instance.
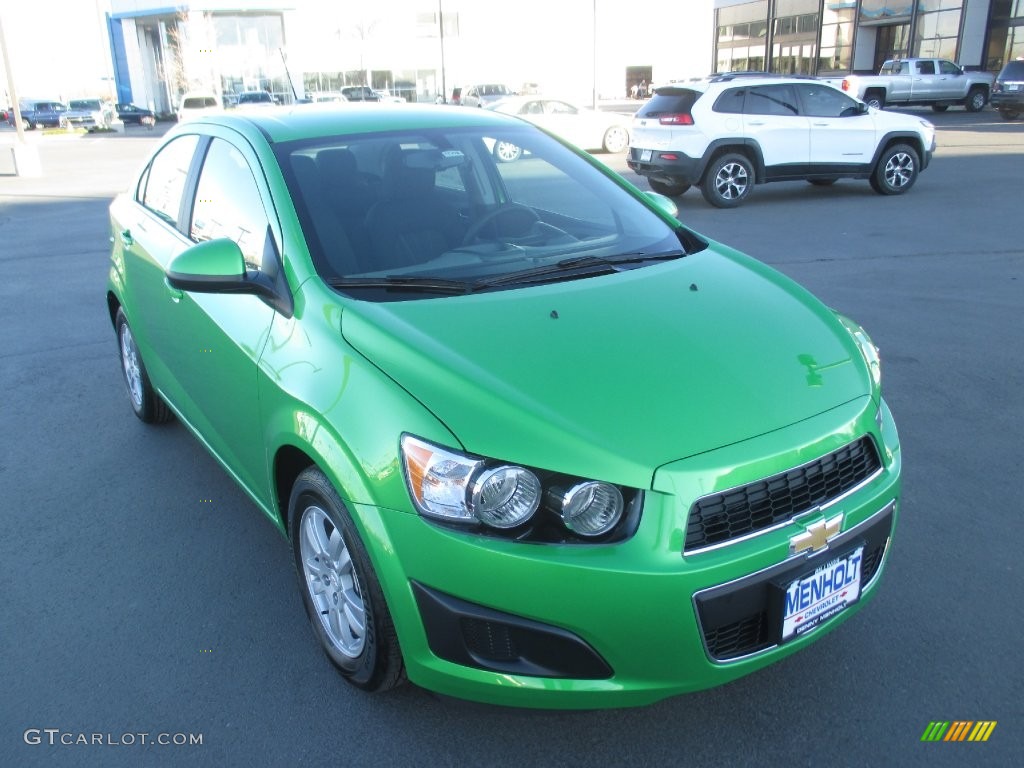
(411, 224)
(335, 257)
(350, 194)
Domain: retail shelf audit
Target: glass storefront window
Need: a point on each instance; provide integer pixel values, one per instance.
(937, 33)
(881, 10)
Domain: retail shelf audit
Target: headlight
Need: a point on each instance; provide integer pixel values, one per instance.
(454, 487)
(867, 349)
(590, 508)
(451, 486)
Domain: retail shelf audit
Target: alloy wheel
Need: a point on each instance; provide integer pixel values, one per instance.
(332, 581)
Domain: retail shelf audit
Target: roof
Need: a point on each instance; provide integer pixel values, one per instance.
(303, 121)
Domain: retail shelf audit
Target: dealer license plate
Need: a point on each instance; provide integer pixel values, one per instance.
(819, 596)
(645, 155)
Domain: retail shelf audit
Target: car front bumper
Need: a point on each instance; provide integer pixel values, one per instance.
(586, 626)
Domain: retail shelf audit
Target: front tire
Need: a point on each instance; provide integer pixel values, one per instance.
(340, 590)
(976, 100)
(615, 140)
(671, 190)
(728, 181)
(145, 402)
(896, 171)
(1009, 114)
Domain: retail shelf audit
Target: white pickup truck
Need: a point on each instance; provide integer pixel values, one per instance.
(912, 82)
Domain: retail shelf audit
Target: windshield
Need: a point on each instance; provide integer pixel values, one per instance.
(465, 205)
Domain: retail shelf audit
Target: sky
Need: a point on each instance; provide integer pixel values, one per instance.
(57, 48)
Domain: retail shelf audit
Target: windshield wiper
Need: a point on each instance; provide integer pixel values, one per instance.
(404, 282)
(595, 265)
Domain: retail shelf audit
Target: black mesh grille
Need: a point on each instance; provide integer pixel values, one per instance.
(725, 516)
(740, 637)
(489, 639)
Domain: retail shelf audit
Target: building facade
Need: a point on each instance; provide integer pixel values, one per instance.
(418, 49)
(829, 37)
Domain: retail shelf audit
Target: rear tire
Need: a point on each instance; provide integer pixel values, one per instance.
(976, 100)
(939, 107)
(671, 190)
(340, 590)
(1009, 114)
(616, 139)
(896, 170)
(728, 181)
(145, 401)
(875, 99)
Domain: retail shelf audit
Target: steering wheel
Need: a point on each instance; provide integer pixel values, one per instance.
(518, 223)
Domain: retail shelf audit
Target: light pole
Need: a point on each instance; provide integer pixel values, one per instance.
(594, 60)
(440, 25)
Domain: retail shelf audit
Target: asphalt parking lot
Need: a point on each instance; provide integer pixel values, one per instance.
(144, 593)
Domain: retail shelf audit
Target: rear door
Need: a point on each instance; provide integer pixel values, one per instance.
(772, 118)
(925, 80)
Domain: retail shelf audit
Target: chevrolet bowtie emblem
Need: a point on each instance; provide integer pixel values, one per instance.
(816, 536)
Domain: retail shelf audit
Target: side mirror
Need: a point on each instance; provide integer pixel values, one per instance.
(662, 203)
(215, 266)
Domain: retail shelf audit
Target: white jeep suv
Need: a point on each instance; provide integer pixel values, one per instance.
(728, 133)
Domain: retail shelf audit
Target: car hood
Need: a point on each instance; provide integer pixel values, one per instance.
(614, 376)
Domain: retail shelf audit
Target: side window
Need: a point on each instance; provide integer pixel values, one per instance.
(925, 67)
(771, 100)
(559, 108)
(228, 204)
(948, 68)
(822, 101)
(165, 179)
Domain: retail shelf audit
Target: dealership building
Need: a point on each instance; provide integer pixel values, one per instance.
(827, 37)
(420, 49)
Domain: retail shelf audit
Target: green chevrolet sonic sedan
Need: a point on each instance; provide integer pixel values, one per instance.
(532, 441)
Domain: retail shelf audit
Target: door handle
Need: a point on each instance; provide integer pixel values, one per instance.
(175, 293)
(126, 238)
(820, 125)
(755, 122)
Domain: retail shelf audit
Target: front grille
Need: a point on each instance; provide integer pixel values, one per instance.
(745, 617)
(722, 517)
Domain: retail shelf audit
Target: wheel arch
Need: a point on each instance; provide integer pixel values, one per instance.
(901, 137)
(749, 148)
(113, 304)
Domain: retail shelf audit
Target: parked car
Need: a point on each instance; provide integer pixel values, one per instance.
(390, 98)
(53, 114)
(728, 134)
(586, 128)
(102, 111)
(930, 82)
(324, 97)
(255, 100)
(360, 93)
(129, 114)
(1008, 90)
(532, 441)
(482, 95)
(198, 103)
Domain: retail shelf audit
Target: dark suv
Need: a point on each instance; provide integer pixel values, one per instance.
(1008, 90)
